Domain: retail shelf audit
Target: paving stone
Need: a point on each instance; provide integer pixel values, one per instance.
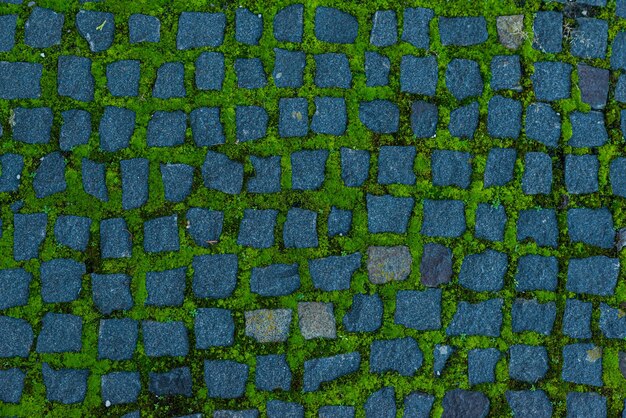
(288, 68)
(548, 31)
(214, 327)
(123, 78)
(294, 117)
(339, 222)
(317, 320)
(531, 315)
(612, 322)
(418, 75)
(166, 287)
(395, 165)
(241, 413)
(308, 169)
(537, 176)
(551, 80)
(577, 319)
(586, 405)
(484, 272)
(511, 31)
(251, 123)
(536, 272)
(204, 225)
(32, 125)
(17, 337)
(134, 182)
(8, 23)
(543, 124)
(482, 318)
(595, 275)
(214, 275)
(332, 70)
(334, 272)
(335, 26)
(463, 78)
(490, 222)
(75, 130)
(29, 231)
(591, 226)
(388, 213)
(98, 29)
(418, 404)
(451, 168)
(11, 166)
(381, 404)
(74, 78)
(161, 234)
(464, 121)
(197, 30)
(330, 116)
(94, 179)
(11, 385)
(622, 363)
(177, 181)
(120, 387)
(206, 126)
(65, 386)
(221, 173)
(380, 116)
(117, 338)
(248, 26)
(436, 265)
(620, 10)
(257, 228)
(481, 365)
(174, 382)
(465, 403)
(506, 73)
(582, 364)
(441, 354)
(529, 403)
(143, 28)
(326, 369)
(443, 218)
(355, 166)
(116, 127)
(272, 372)
(43, 28)
(165, 338)
(300, 229)
(540, 225)
(132, 414)
(462, 31)
(209, 71)
(528, 363)
(384, 28)
(504, 117)
(387, 264)
(225, 379)
(20, 80)
(250, 73)
(365, 313)
(14, 287)
(61, 280)
(618, 51)
(402, 355)
(416, 26)
(267, 175)
(377, 68)
(617, 176)
(594, 85)
(588, 129)
(275, 280)
(620, 89)
(336, 411)
(111, 292)
(277, 409)
(289, 24)
(170, 81)
(589, 38)
(420, 310)
(50, 176)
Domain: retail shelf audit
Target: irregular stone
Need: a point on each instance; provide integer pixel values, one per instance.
(586, 405)
(225, 379)
(465, 403)
(29, 232)
(197, 30)
(464, 121)
(11, 385)
(116, 128)
(221, 173)
(8, 23)
(506, 72)
(420, 310)
(326, 369)
(418, 75)
(490, 222)
(332, 70)
(204, 225)
(381, 404)
(206, 126)
(94, 179)
(214, 327)
(384, 28)
(451, 168)
(504, 117)
(257, 228)
(293, 117)
(441, 354)
(170, 81)
(484, 272)
(612, 322)
(166, 287)
(462, 31)
(595, 275)
(308, 169)
(594, 85)
(239, 413)
(334, 272)
(543, 124)
(278, 409)
(618, 51)
(123, 78)
(120, 387)
(622, 363)
(272, 372)
(339, 222)
(11, 166)
(395, 165)
(588, 129)
(388, 213)
(463, 78)
(386, 264)
(209, 74)
(336, 411)
(481, 365)
(214, 275)
(143, 28)
(416, 26)
(174, 382)
(20, 80)
(317, 320)
(66, 386)
(289, 24)
(531, 315)
(443, 218)
(539, 225)
(577, 319)
(365, 314)
(161, 234)
(248, 26)
(529, 403)
(330, 116)
(75, 130)
(620, 89)
(17, 337)
(61, 280)
(267, 175)
(335, 26)
(536, 272)
(250, 73)
(251, 123)
(111, 292)
(288, 68)
(134, 182)
(436, 265)
(165, 338)
(355, 167)
(275, 280)
(43, 28)
(177, 181)
(537, 176)
(98, 29)
(377, 67)
(50, 176)
(380, 116)
(511, 31)
(482, 318)
(617, 176)
(14, 287)
(582, 364)
(418, 404)
(589, 38)
(552, 80)
(300, 229)
(32, 125)
(548, 31)
(401, 355)
(117, 338)
(74, 78)
(591, 226)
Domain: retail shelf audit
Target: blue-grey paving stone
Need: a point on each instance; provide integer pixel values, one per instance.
(451, 168)
(528, 363)
(464, 121)
(462, 31)
(50, 175)
(214, 275)
(594, 85)
(170, 81)
(618, 51)
(589, 38)
(293, 118)
(111, 292)
(251, 123)
(481, 365)
(586, 405)
(98, 29)
(165, 338)
(339, 222)
(17, 337)
(250, 73)
(380, 116)
(316, 320)
(395, 165)
(531, 315)
(29, 231)
(209, 71)
(60, 333)
(577, 318)
(61, 280)
(595, 275)
(66, 386)
(267, 172)
(14, 285)
(490, 222)
(388, 213)
(325, 369)
(177, 181)
(134, 182)
(335, 26)
(620, 89)
(620, 10)
(332, 70)
(20, 80)
(463, 78)
(196, 30)
(32, 125)
(11, 166)
(484, 272)
(173, 382)
(418, 75)
(300, 229)
(221, 173)
(143, 28)
(591, 226)
(443, 218)
(166, 287)
(275, 280)
(123, 78)
(94, 179)
(617, 176)
(548, 31)
(381, 404)
(132, 414)
(481, 318)
(74, 78)
(365, 314)
(377, 67)
(8, 24)
(120, 387)
(248, 26)
(288, 68)
(384, 28)
(336, 411)
(582, 364)
(506, 73)
(257, 228)
(465, 403)
(268, 325)
(436, 265)
(420, 310)
(418, 405)
(334, 272)
(386, 264)
(543, 124)
(204, 225)
(117, 338)
(161, 234)
(206, 126)
(116, 127)
(551, 80)
(441, 354)
(289, 23)
(536, 272)
(279, 409)
(214, 327)
(424, 117)
(529, 403)
(11, 1)
(355, 165)
(166, 129)
(11, 385)
(612, 322)
(330, 116)
(588, 129)
(272, 372)
(225, 378)
(504, 117)
(402, 355)
(239, 413)
(539, 225)
(537, 176)
(416, 26)
(75, 130)
(43, 28)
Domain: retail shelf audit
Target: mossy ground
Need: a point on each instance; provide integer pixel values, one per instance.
(354, 389)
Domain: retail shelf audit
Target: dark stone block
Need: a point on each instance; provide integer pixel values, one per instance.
(543, 124)
(443, 218)
(123, 78)
(395, 165)
(537, 176)
(76, 129)
(50, 176)
(11, 385)
(418, 405)
(11, 166)
(272, 372)
(464, 121)
(463, 78)
(171, 383)
(617, 176)
(612, 322)
(334, 272)
(484, 272)
(117, 339)
(326, 369)
(74, 78)
(506, 73)
(300, 229)
(582, 364)
(536, 272)
(289, 23)
(288, 68)
(308, 169)
(330, 116)
(381, 404)
(418, 75)
(66, 386)
(620, 89)
(380, 116)
(29, 231)
(116, 127)
(451, 168)
(336, 411)
(465, 403)
(384, 28)
(166, 287)
(528, 363)
(462, 31)
(143, 28)
(279, 409)
(335, 26)
(424, 117)
(43, 28)
(20, 80)
(595, 275)
(111, 292)
(620, 10)
(594, 85)
(548, 31)
(388, 213)
(177, 181)
(221, 173)
(214, 327)
(355, 167)
(32, 125)
(589, 38)
(539, 225)
(586, 405)
(365, 314)
(591, 226)
(377, 67)
(161, 234)
(482, 318)
(17, 337)
(250, 73)
(204, 225)
(504, 117)
(416, 26)
(490, 222)
(552, 80)
(94, 179)
(206, 126)
(618, 51)
(98, 29)
(170, 81)
(436, 265)
(225, 379)
(588, 129)
(420, 310)
(481, 365)
(267, 175)
(61, 280)
(577, 319)
(531, 315)
(165, 338)
(196, 30)
(134, 182)
(401, 355)
(239, 413)
(257, 228)
(248, 26)
(251, 123)
(14, 287)
(529, 403)
(332, 70)
(294, 117)
(8, 24)
(120, 387)
(339, 222)
(214, 275)
(72, 231)
(209, 73)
